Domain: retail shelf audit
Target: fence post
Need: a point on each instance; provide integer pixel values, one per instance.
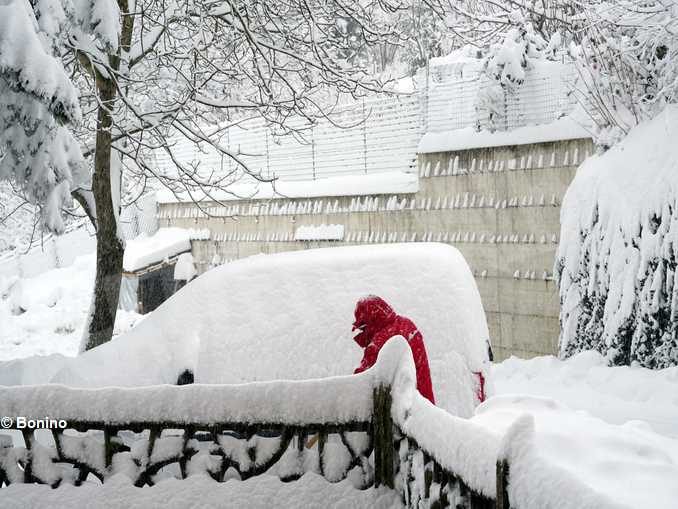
(268, 157)
(29, 438)
(382, 429)
(313, 149)
(364, 129)
(427, 96)
(502, 485)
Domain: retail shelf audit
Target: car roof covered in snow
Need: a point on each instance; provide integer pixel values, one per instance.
(289, 315)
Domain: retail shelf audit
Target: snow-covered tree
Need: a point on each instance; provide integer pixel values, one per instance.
(37, 103)
(616, 265)
(628, 62)
(482, 23)
(126, 77)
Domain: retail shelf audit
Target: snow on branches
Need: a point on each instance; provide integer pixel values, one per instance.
(37, 99)
(505, 66)
(628, 63)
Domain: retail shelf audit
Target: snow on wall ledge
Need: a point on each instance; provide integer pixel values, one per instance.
(566, 128)
(335, 400)
(350, 185)
(616, 264)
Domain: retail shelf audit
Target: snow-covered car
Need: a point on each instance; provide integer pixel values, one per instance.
(289, 316)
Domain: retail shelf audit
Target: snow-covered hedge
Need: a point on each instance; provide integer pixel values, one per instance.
(616, 263)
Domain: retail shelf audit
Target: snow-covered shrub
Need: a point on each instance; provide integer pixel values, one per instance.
(505, 66)
(617, 259)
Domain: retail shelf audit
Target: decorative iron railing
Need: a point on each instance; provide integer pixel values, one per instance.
(369, 442)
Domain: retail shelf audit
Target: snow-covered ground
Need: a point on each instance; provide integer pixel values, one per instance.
(567, 459)
(584, 382)
(263, 492)
(45, 314)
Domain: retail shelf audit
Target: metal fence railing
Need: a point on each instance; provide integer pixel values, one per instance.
(381, 134)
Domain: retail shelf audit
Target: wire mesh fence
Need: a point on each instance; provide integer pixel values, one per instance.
(377, 135)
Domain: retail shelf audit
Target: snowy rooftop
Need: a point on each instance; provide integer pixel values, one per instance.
(164, 244)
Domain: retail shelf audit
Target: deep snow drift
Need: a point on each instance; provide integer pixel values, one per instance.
(289, 315)
(585, 382)
(563, 459)
(616, 262)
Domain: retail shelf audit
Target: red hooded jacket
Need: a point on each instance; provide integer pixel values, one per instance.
(379, 323)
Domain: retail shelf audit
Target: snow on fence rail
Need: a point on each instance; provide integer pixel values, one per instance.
(373, 428)
(381, 134)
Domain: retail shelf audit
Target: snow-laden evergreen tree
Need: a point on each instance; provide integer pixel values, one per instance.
(617, 261)
(38, 102)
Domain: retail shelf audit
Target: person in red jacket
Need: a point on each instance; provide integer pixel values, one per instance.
(378, 323)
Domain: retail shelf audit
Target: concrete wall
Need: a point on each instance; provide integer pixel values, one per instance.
(499, 206)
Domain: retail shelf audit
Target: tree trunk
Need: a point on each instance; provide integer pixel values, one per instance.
(110, 248)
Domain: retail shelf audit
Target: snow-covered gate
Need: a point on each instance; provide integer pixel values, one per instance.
(373, 428)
